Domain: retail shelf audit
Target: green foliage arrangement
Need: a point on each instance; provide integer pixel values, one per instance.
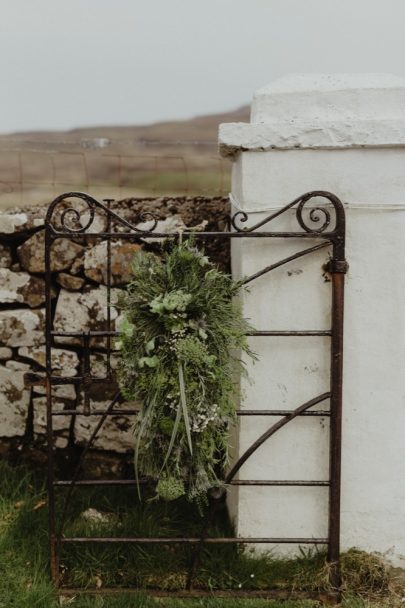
(180, 338)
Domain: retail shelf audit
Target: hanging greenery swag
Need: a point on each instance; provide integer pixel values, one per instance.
(180, 342)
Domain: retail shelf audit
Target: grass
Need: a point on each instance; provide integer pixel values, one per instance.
(24, 578)
(191, 182)
(162, 158)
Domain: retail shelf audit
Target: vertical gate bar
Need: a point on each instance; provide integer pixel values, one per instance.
(337, 270)
(86, 373)
(54, 547)
(108, 201)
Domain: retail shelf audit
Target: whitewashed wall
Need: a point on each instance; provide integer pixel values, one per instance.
(345, 134)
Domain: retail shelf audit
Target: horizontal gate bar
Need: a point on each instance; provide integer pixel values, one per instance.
(192, 541)
(281, 413)
(121, 412)
(117, 412)
(236, 482)
(100, 482)
(309, 332)
(279, 594)
(264, 332)
(81, 412)
(96, 333)
(278, 482)
(327, 236)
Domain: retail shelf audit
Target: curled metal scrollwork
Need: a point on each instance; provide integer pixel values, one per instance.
(74, 220)
(316, 215)
(146, 216)
(71, 217)
(79, 220)
(239, 216)
(320, 216)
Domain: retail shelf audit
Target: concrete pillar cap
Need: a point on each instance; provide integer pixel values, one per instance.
(321, 111)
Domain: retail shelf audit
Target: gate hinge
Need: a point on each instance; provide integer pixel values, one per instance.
(337, 266)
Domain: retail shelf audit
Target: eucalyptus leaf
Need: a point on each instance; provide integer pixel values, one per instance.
(149, 361)
(202, 333)
(126, 327)
(150, 346)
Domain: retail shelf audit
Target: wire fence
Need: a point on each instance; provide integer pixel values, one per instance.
(35, 170)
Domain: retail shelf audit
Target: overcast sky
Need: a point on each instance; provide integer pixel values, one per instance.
(69, 63)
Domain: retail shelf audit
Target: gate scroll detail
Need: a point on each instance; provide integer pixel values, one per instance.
(318, 215)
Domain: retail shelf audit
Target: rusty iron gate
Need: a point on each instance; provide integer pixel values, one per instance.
(319, 216)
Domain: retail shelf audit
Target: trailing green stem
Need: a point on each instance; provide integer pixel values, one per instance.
(184, 406)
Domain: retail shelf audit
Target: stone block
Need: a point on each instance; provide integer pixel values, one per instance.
(98, 364)
(63, 253)
(11, 223)
(18, 366)
(115, 435)
(69, 282)
(60, 424)
(22, 327)
(14, 403)
(84, 311)
(95, 262)
(63, 361)
(5, 256)
(21, 288)
(62, 391)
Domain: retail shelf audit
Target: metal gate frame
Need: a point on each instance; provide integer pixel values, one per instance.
(313, 223)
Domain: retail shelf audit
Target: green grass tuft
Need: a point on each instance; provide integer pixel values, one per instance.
(24, 579)
(24, 574)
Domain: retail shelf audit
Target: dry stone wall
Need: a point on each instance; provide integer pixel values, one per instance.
(79, 301)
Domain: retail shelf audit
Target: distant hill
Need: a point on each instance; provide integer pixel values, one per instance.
(200, 128)
(173, 157)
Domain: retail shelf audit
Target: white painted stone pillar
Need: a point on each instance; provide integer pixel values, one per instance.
(345, 134)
